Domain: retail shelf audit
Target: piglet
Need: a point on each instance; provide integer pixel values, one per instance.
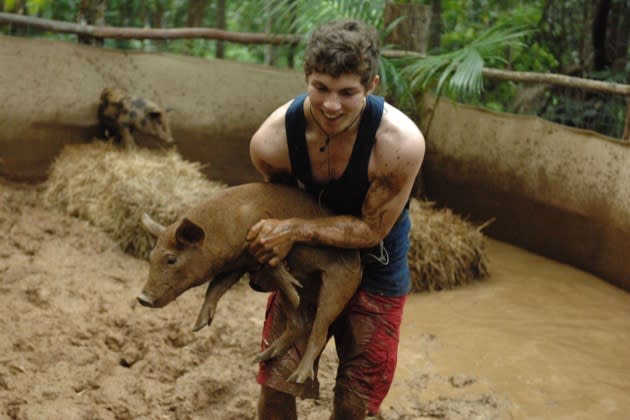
(120, 114)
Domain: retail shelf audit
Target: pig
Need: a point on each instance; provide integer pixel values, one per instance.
(208, 245)
(120, 114)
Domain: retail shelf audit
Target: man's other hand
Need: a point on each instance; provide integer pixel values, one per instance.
(271, 240)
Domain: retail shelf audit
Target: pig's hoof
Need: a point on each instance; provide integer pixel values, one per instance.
(146, 300)
(294, 298)
(203, 320)
(300, 375)
(263, 356)
(199, 325)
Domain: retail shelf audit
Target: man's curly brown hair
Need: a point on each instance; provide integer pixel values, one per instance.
(343, 47)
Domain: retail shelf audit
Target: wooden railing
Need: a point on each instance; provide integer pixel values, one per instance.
(289, 39)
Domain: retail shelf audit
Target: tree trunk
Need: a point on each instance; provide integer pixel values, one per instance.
(291, 50)
(220, 46)
(600, 25)
(411, 33)
(584, 41)
(435, 28)
(19, 7)
(91, 12)
(157, 21)
(196, 13)
(270, 51)
(620, 35)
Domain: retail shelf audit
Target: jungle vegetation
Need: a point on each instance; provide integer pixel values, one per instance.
(584, 38)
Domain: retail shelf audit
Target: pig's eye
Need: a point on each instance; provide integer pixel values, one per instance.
(171, 260)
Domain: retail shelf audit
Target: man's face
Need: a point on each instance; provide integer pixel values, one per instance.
(336, 101)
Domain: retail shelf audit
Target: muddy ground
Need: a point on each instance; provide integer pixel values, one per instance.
(74, 343)
(537, 339)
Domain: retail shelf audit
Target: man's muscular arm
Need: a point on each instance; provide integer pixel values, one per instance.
(268, 148)
(274, 238)
(397, 161)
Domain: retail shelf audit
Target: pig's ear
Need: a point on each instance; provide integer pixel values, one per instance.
(157, 115)
(152, 226)
(189, 233)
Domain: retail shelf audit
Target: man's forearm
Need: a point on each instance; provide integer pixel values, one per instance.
(336, 231)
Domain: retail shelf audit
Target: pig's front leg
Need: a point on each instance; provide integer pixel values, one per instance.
(127, 139)
(216, 288)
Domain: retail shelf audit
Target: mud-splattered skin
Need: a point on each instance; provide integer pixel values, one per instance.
(120, 114)
(208, 244)
(394, 164)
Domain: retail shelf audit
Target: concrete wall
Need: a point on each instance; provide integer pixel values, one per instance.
(561, 192)
(50, 91)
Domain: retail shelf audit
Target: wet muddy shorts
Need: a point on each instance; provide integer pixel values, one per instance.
(366, 337)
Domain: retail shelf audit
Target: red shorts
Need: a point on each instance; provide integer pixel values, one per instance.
(366, 337)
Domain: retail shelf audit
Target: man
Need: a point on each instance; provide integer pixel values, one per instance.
(359, 156)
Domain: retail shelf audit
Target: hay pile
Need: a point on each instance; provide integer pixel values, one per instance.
(445, 250)
(111, 188)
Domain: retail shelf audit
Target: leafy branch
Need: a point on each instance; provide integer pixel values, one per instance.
(460, 72)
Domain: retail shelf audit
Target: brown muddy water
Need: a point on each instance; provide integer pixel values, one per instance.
(537, 340)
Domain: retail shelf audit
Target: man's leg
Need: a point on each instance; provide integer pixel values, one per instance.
(276, 405)
(347, 405)
(277, 395)
(366, 337)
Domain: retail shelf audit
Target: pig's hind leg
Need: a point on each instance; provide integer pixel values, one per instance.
(292, 331)
(286, 283)
(339, 283)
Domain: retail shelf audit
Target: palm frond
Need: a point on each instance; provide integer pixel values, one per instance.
(460, 71)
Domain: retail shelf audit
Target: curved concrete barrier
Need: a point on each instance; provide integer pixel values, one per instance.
(561, 192)
(50, 91)
(558, 191)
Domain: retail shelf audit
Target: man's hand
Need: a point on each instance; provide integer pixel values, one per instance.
(271, 240)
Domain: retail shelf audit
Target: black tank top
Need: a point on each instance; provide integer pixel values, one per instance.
(344, 195)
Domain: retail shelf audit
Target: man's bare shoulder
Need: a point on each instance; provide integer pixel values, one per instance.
(274, 122)
(399, 141)
(268, 147)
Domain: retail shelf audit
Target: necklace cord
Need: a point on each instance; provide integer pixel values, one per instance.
(330, 136)
(324, 147)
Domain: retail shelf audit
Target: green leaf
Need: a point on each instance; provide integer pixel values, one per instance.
(461, 71)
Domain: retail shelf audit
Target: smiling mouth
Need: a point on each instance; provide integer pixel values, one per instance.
(331, 118)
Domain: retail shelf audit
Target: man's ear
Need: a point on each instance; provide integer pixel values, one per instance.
(374, 84)
(189, 233)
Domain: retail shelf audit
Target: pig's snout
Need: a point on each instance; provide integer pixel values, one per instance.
(146, 300)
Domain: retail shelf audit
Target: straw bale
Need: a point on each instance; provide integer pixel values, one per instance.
(111, 188)
(445, 250)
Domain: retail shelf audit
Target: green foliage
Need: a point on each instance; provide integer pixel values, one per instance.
(474, 34)
(286, 20)
(460, 71)
(9, 6)
(33, 7)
